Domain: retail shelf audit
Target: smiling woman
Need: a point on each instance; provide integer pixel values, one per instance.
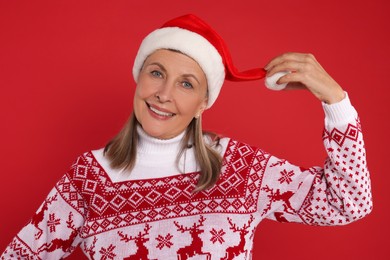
(171, 92)
(171, 95)
(164, 189)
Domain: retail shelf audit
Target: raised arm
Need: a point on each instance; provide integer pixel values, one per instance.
(340, 191)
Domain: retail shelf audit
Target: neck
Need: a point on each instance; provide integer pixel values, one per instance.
(149, 145)
(157, 158)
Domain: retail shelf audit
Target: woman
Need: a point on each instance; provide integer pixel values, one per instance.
(161, 189)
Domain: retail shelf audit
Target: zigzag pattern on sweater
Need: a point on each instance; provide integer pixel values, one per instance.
(113, 205)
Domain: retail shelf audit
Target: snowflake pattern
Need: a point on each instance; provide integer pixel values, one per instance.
(217, 236)
(164, 241)
(286, 176)
(53, 222)
(107, 253)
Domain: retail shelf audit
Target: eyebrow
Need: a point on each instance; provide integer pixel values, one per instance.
(189, 75)
(159, 65)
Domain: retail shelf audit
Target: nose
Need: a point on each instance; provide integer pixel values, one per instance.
(165, 92)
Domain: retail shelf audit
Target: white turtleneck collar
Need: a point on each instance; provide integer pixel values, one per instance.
(149, 145)
(156, 158)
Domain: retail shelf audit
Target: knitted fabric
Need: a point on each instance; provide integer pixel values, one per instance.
(160, 218)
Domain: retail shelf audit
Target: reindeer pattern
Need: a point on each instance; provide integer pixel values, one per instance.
(188, 238)
(140, 239)
(40, 214)
(233, 251)
(59, 243)
(278, 196)
(195, 248)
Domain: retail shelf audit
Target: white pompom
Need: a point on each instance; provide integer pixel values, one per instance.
(270, 82)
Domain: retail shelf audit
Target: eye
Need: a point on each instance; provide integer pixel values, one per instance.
(156, 73)
(187, 84)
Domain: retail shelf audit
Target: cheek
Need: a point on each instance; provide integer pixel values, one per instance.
(142, 92)
(146, 88)
(136, 98)
(191, 107)
(139, 92)
(138, 101)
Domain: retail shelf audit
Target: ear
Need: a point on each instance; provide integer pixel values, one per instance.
(202, 108)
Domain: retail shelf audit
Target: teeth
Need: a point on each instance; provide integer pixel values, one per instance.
(160, 113)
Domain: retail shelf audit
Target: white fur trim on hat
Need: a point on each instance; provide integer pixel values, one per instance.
(191, 44)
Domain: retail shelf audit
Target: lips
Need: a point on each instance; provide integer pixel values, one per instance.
(159, 111)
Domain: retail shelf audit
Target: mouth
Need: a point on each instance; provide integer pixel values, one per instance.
(159, 111)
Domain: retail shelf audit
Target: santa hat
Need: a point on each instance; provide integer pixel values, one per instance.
(195, 38)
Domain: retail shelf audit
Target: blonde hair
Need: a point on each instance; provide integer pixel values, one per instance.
(122, 150)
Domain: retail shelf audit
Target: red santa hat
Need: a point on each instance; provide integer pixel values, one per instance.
(195, 38)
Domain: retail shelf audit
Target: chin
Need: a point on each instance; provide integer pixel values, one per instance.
(155, 131)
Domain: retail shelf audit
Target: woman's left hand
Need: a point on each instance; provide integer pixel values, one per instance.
(307, 73)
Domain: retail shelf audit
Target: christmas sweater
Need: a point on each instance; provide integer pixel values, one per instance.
(153, 213)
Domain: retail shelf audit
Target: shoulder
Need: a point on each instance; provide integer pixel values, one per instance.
(99, 155)
(216, 142)
(228, 147)
(83, 159)
(83, 164)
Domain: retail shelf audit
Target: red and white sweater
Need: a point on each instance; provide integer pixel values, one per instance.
(153, 214)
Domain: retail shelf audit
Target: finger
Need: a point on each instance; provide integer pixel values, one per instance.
(291, 56)
(293, 80)
(289, 65)
(281, 58)
(318, 87)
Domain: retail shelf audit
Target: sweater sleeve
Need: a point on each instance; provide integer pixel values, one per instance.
(53, 231)
(336, 194)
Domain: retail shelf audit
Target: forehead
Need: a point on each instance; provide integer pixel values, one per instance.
(173, 58)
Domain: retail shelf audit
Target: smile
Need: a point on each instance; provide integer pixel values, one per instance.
(159, 112)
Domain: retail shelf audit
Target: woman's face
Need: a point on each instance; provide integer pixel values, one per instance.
(171, 91)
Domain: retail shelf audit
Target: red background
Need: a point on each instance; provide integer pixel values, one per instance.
(66, 88)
